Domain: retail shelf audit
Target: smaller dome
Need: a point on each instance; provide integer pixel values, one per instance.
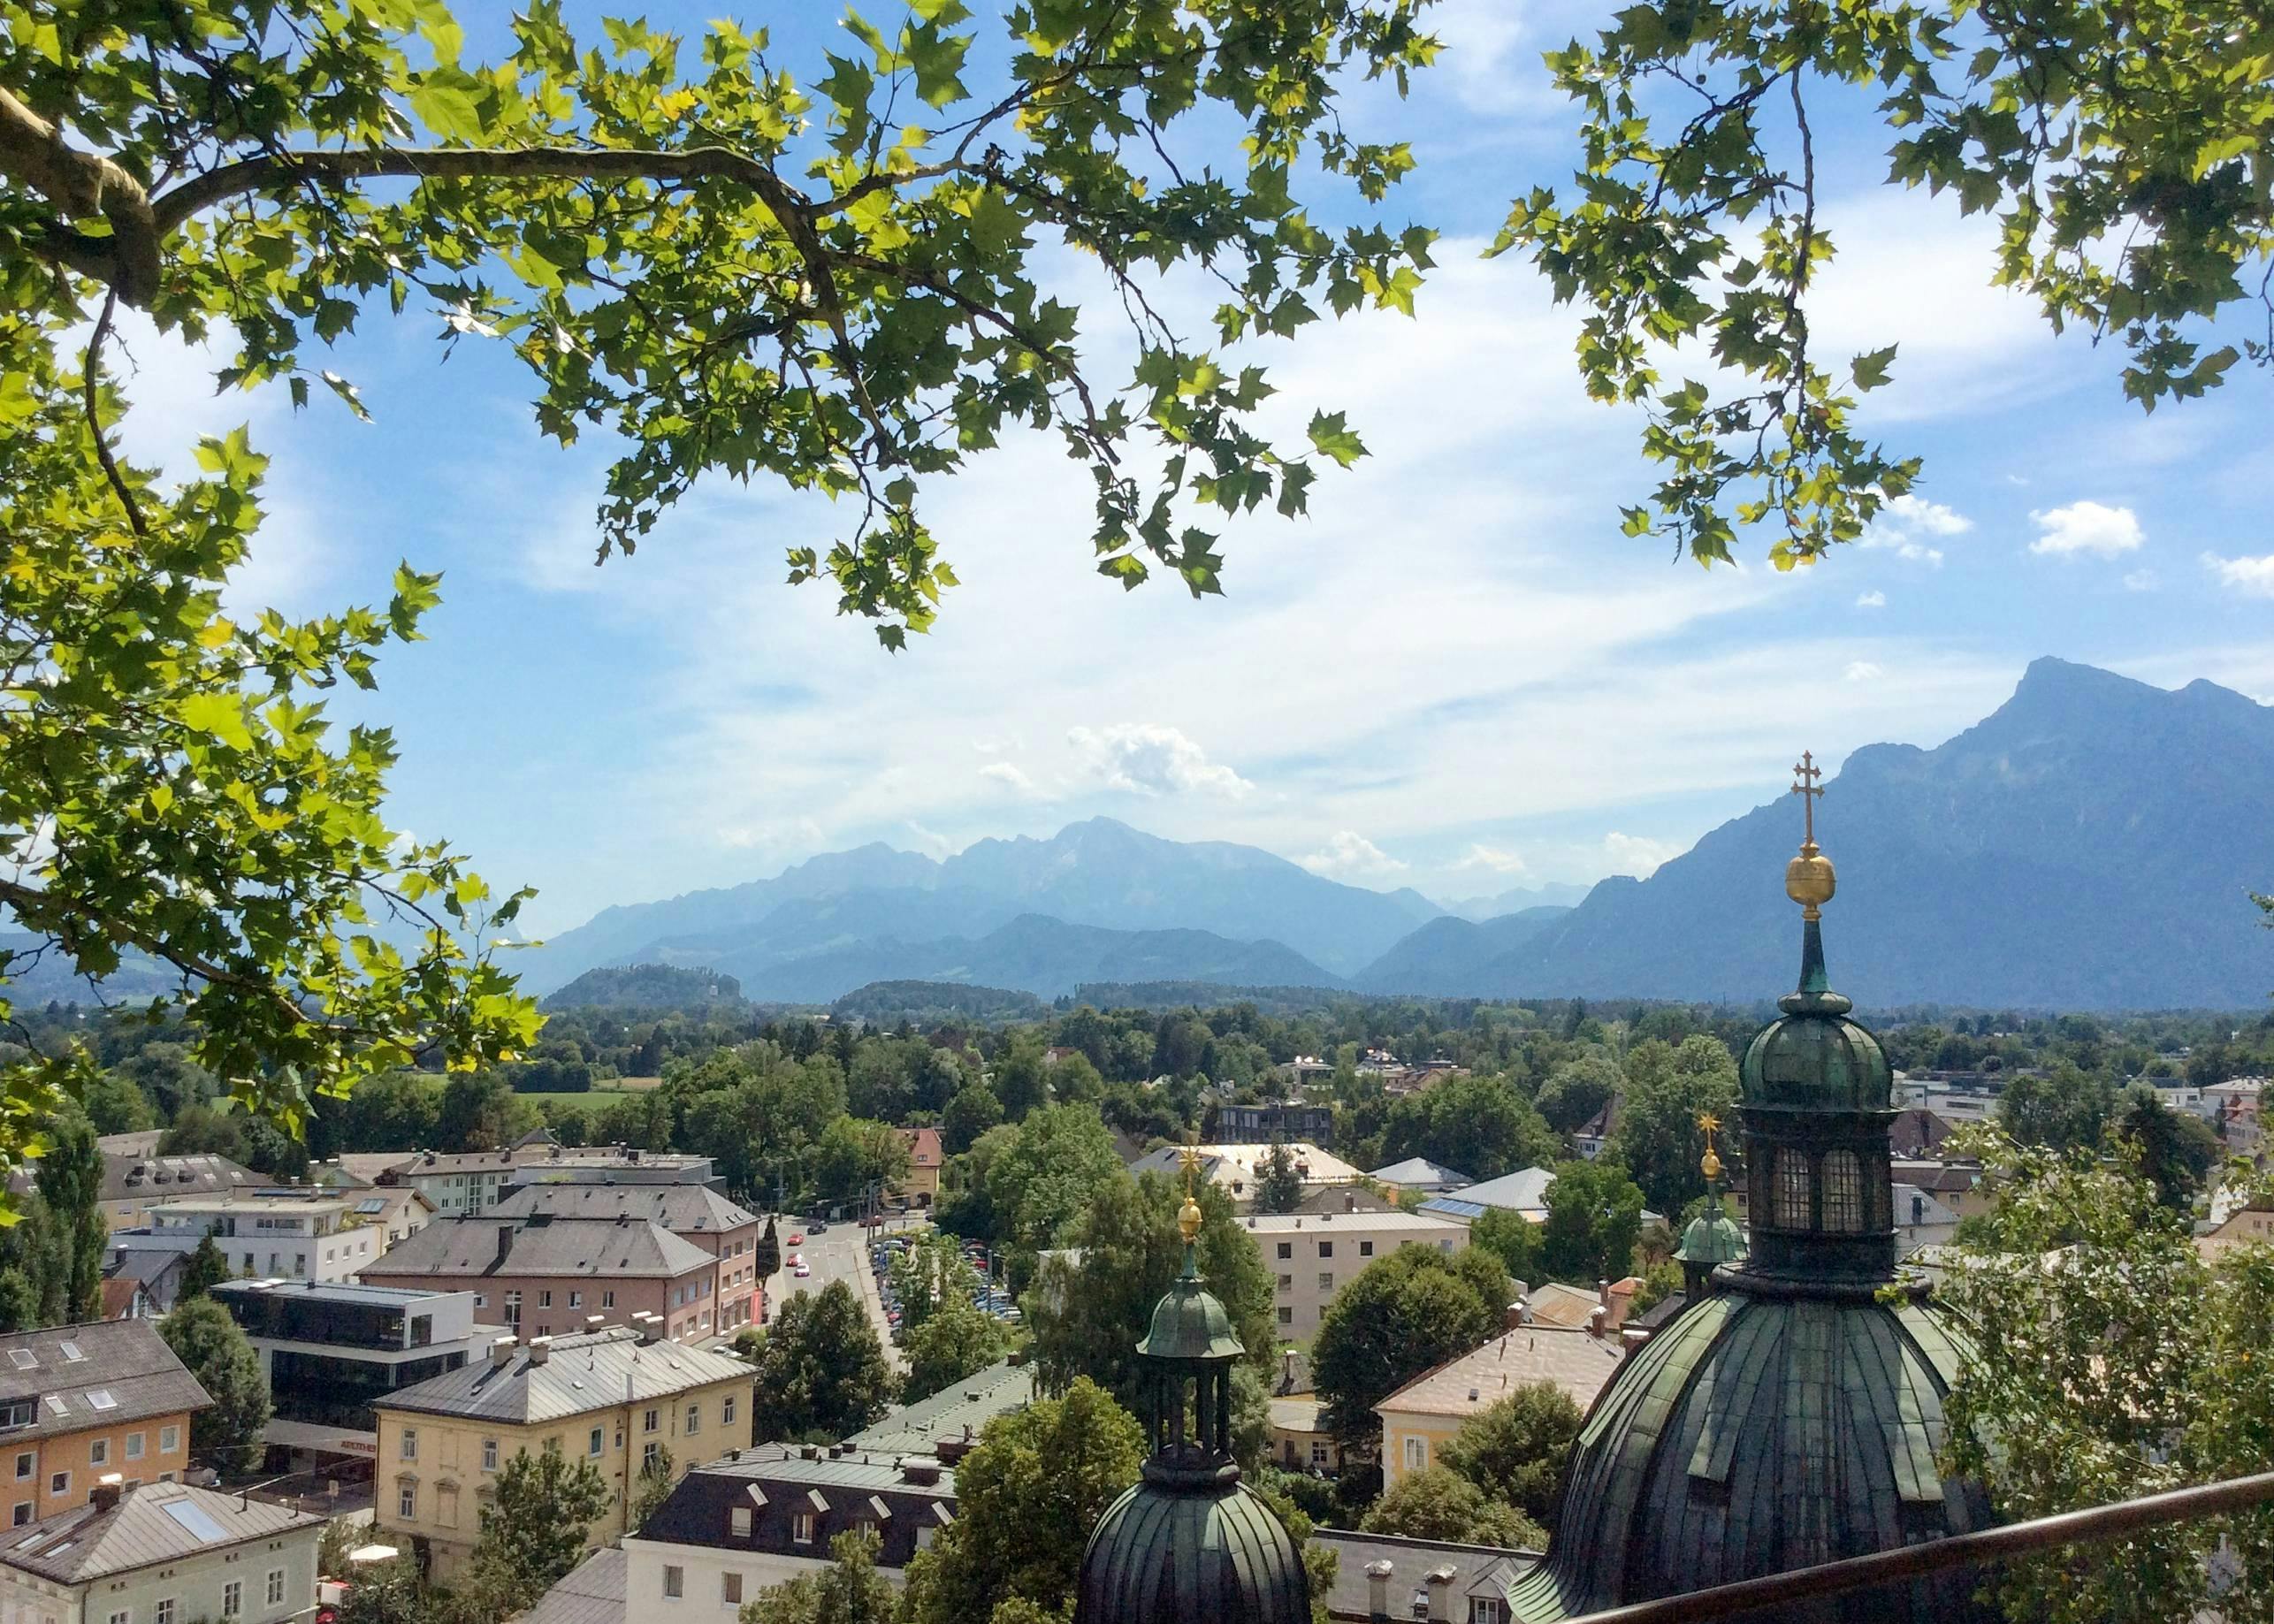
(1713, 1237)
(1159, 1554)
(1817, 1059)
(1189, 1324)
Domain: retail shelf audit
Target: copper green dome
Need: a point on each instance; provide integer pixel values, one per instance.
(1189, 1324)
(1814, 1058)
(1713, 1238)
(1163, 1557)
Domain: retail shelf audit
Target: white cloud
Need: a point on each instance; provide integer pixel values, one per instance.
(930, 842)
(1492, 859)
(1862, 671)
(2086, 527)
(2253, 577)
(1351, 853)
(1636, 854)
(1152, 757)
(1871, 600)
(1003, 773)
(1906, 519)
(2140, 581)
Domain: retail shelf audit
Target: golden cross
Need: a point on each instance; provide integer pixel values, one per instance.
(1807, 773)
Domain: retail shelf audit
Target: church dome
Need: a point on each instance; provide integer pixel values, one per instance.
(1815, 1058)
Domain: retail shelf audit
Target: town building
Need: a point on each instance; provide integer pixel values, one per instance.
(80, 1402)
(696, 1213)
(593, 1592)
(617, 1398)
(1300, 1440)
(2252, 1221)
(132, 1185)
(947, 1422)
(1310, 1256)
(1236, 1169)
(1379, 1576)
(1593, 1136)
(398, 1213)
(292, 1232)
(1523, 1192)
(1419, 1419)
(467, 1184)
(541, 1276)
(926, 1158)
(1420, 1173)
(1294, 1121)
(329, 1351)
(140, 1281)
(764, 1516)
(161, 1553)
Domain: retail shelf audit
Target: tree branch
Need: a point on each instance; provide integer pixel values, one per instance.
(91, 383)
(32, 151)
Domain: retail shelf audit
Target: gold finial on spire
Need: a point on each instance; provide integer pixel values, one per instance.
(1188, 1159)
(1710, 1165)
(1808, 878)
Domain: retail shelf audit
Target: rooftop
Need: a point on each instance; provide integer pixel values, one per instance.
(130, 1178)
(597, 1247)
(1287, 1223)
(152, 1524)
(329, 1291)
(1578, 1363)
(958, 1412)
(1231, 1163)
(679, 1208)
(785, 1463)
(1411, 1561)
(1421, 1172)
(1524, 1191)
(292, 1203)
(593, 1593)
(95, 1375)
(551, 1379)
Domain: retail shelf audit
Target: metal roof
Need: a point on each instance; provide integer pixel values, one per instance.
(126, 1360)
(593, 1593)
(594, 1370)
(1411, 1561)
(127, 1178)
(1580, 1364)
(598, 1247)
(1524, 1190)
(1422, 1173)
(958, 1412)
(152, 1524)
(679, 1208)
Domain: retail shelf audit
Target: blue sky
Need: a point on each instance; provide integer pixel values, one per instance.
(1454, 675)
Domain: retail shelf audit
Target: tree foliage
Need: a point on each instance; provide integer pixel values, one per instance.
(1278, 1180)
(1594, 1215)
(658, 1475)
(1441, 1505)
(533, 1528)
(1515, 1448)
(2111, 1359)
(204, 1269)
(848, 1591)
(1400, 1316)
(1025, 1500)
(820, 1371)
(71, 1182)
(2120, 149)
(227, 1433)
(1657, 1137)
(957, 1340)
(1482, 1125)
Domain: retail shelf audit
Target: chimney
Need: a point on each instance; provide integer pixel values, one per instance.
(540, 1349)
(1441, 1595)
(1350, 1203)
(106, 1492)
(1377, 1592)
(501, 1352)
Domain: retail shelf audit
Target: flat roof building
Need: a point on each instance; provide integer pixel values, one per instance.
(1310, 1256)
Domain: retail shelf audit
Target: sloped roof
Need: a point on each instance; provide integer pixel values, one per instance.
(913, 1428)
(1524, 1190)
(118, 1297)
(469, 1248)
(1411, 1561)
(147, 1179)
(1580, 1364)
(679, 1208)
(123, 1371)
(365, 1166)
(1225, 1164)
(1567, 1306)
(593, 1593)
(151, 1523)
(592, 1370)
(923, 1147)
(1422, 1173)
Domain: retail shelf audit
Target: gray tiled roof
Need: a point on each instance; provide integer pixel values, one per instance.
(911, 1429)
(149, 1179)
(1410, 1562)
(678, 1207)
(124, 1372)
(595, 1247)
(151, 1523)
(592, 1370)
(593, 1593)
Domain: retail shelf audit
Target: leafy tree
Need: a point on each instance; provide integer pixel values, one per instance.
(1025, 1500)
(970, 1113)
(2111, 1359)
(1278, 1180)
(1515, 1240)
(204, 1269)
(534, 1528)
(480, 1112)
(1594, 1214)
(227, 1432)
(1439, 1504)
(930, 1274)
(2117, 148)
(2062, 1108)
(34, 1273)
(1054, 1166)
(1515, 1448)
(1087, 1316)
(2175, 1150)
(652, 1487)
(1657, 1136)
(853, 1157)
(955, 1341)
(113, 1104)
(820, 1371)
(249, 1141)
(765, 1256)
(1400, 1316)
(387, 1593)
(848, 1591)
(71, 1182)
(1480, 1124)
(1020, 1079)
(1576, 1090)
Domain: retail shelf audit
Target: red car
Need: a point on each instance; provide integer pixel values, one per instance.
(798, 1238)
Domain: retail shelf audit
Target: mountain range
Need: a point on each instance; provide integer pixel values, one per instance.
(2088, 845)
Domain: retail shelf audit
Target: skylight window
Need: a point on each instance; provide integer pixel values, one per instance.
(194, 1520)
(71, 1352)
(55, 1403)
(23, 1359)
(102, 1400)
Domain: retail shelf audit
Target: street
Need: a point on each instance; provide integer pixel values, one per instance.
(840, 1254)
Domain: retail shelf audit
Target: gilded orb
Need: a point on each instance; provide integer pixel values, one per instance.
(1809, 879)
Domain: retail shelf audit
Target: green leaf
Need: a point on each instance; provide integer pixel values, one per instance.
(1333, 438)
(219, 716)
(346, 392)
(1870, 369)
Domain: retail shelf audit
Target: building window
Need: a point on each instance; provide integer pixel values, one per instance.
(1325, 1281)
(545, 1300)
(1417, 1454)
(1843, 1193)
(58, 1482)
(410, 1443)
(27, 1464)
(1318, 1454)
(575, 1299)
(133, 1446)
(1486, 1610)
(595, 1444)
(651, 1420)
(731, 1589)
(406, 1501)
(23, 1513)
(694, 1418)
(1365, 1249)
(124, 1616)
(233, 1598)
(649, 1456)
(98, 1453)
(513, 1311)
(608, 1300)
(1792, 1203)
(164, 1612)
(1286, 1248)
(738, 1522)
(276, 1585)
(801, 1527)
(1286, 1316)
(169, 1439)
(1326, 1248)
(675, 1581)
(489, 1455)
(727, 1411)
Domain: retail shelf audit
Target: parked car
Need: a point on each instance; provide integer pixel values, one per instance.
(797, 1237)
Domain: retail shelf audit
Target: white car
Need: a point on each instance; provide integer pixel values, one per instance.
(798, 1269)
